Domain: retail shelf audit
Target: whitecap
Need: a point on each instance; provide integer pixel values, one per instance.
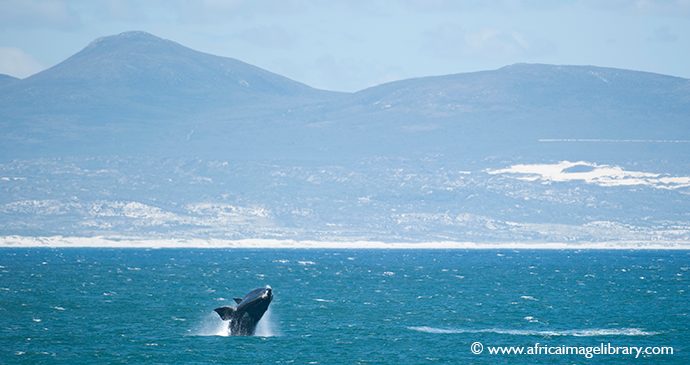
(590, 332)
(324, 300)
(427, 329)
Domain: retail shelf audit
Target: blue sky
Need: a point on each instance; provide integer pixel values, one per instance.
(351, 45)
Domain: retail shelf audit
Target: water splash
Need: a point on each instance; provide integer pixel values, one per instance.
(267, 326)
(211, 325)
(591, 332)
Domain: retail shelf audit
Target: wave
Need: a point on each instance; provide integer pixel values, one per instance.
(589, 332)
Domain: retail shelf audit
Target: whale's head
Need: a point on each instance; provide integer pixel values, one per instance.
(256, 301)
(267, 293)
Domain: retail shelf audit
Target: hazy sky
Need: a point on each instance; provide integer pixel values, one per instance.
(350, 45)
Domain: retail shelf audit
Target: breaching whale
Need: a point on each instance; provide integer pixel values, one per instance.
(249, 310)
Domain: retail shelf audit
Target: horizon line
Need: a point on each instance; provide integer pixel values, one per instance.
(17, 241)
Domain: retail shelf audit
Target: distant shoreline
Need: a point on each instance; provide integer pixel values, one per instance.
(134, 242)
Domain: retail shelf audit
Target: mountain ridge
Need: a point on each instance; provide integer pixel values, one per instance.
(145, 70)
(137, 92)
(522, 76)
(134, 48)
(133, 37)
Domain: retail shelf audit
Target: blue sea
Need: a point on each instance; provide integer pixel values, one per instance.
(139, 306)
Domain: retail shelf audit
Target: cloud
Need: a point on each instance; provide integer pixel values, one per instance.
(641, 7)
(15, 62)
(270, 36)
(349, 74)
(37, 14)
(661, 6)
(219, 11)
(454, 42)
(123, 10)
(663, 35)
(496, 41)
(445, 6)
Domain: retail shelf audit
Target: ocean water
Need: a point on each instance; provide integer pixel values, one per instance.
(96, 306)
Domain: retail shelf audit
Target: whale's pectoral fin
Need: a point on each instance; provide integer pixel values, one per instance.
(225, 313)
(237, 300)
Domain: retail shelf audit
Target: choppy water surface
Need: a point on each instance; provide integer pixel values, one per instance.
(346, 307)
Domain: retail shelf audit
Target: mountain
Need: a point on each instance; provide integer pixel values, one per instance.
(507, 112)
(139, 68)
(137, 93)
(134, 86)
(532, 87)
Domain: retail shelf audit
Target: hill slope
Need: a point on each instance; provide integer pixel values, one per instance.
(506, 112)
(137, 67)
(6, 79)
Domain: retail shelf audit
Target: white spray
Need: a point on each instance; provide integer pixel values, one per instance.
(267, 325)
(212, 325)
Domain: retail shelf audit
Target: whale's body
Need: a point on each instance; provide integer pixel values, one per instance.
(244, 317)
